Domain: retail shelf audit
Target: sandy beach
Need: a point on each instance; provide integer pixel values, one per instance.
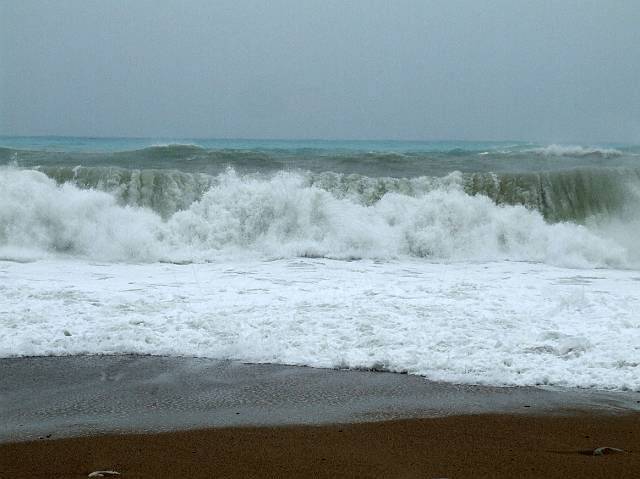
(458, 446)
(183, 417)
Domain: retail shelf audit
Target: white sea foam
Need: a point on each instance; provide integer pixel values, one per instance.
(576, 151)
(38, 215)
(492, 323)
(282, 217)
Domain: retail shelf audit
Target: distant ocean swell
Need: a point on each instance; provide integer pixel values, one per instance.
(401, 163)
(190, 150)
(578, 218)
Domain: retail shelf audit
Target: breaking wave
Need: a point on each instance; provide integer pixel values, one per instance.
(576, 151)
(569, 195)
(180, 217)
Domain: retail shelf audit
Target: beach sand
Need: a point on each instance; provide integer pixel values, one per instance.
(158, 417)
(457, 446)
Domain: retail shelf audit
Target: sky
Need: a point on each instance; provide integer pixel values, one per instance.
(553, 71)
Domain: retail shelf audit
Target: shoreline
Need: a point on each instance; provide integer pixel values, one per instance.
(67, 396)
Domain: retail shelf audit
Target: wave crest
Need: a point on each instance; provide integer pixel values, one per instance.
(576, 151)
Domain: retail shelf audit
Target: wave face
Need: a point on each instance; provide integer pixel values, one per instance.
(572, 195)
(163, 191)
(200, 218)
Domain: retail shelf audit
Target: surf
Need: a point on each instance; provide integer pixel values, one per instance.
(285, 215)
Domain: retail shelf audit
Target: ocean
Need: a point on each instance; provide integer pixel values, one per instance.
(499, 263)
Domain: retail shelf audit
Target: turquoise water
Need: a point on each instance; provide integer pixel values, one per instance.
(80, 144)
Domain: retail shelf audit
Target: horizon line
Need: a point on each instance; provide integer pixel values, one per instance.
(284, 139)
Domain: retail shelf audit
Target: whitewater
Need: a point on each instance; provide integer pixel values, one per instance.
(501, 264)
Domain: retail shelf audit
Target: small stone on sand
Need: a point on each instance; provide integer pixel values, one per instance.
(601, 451)
(103, 474)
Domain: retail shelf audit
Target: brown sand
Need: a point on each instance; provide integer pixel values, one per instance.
(451, 447)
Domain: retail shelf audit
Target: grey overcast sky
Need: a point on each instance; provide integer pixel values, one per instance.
(555, 71)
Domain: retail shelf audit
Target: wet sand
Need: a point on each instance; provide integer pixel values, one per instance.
(80, 395)
(185, 417)
(452, 447)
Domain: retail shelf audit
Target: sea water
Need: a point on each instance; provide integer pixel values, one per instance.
(475, 262)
